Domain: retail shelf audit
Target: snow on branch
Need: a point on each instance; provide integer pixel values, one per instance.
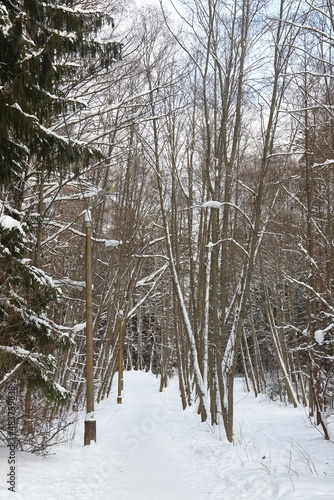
(68, 281)
(148, 280)
(310, 288)
(44, 364)
(48, 131)
(211, 204)
(30, 317)
(133, 311)
(7, 222)
(327, 163)
(67, 227)
(319, 335)
(21, 353)
(150, 256)
(10, 374)
(219, 204)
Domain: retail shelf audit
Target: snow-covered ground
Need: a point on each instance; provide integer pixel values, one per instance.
(149, 449)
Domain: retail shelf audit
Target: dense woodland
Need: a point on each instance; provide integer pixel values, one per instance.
(213, 121)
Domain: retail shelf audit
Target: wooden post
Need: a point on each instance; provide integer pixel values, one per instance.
(90, 423)
(120, 362)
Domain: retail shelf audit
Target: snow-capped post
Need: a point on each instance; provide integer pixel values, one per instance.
(120, 358)
(90, 423)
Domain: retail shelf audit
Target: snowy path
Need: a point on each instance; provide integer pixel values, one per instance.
(149, 449)
(153, 463)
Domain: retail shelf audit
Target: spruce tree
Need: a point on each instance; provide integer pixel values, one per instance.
(42, 43)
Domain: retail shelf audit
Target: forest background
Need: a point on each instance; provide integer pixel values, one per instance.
(212, 121)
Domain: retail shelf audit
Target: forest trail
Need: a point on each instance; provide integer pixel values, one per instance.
(149, 449)
(153, 460)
